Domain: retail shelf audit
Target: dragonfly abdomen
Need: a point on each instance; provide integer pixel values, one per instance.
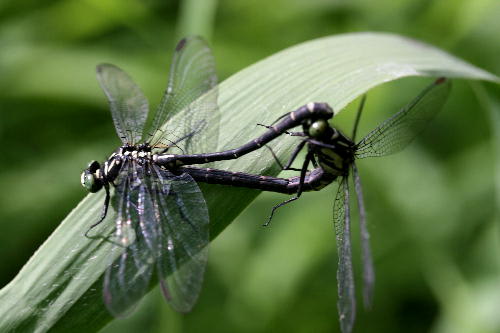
(288, 121)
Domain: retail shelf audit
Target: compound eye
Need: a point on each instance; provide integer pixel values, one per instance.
(318, 128)
(90, 182)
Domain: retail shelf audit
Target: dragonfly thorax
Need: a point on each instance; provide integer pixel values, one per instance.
(333, 150)
(333, 162)
(96, 175)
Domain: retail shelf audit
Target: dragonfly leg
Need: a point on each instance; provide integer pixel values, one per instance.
(174, 143)
(270, 126)
(292, 158)
(299, 190)
(103, 213)
(314, 162)
(275, 157)
(285, 132)
(281, 117)
(295, 152)
(321, 144)
(276, 207)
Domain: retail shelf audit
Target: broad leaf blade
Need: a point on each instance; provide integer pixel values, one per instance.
(60, 287)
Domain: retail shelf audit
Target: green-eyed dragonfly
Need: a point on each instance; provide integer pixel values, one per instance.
(161, 217)
(333, 155)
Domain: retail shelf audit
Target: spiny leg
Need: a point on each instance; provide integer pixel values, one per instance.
(104, 212)
(299, 190)
(276, 158)
(321, 144)
(284, 132)
(174, 143)
(279, 118)
(314, 162)
(295, 152)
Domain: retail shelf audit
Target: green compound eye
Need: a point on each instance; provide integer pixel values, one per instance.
(90, 182)
(318, 128)
(87, 180)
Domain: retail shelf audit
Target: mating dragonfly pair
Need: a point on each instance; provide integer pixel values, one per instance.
(161, 216)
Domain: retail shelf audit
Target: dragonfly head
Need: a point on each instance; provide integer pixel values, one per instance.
(317, 129)
(91, 177)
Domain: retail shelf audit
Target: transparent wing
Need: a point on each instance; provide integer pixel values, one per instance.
(366, 255)
(182, 114)
(127, 279)
(345, 280)
(129, 106)
(398, 131)
(183, 237)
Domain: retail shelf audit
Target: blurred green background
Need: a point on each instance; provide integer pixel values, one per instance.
(433, 210)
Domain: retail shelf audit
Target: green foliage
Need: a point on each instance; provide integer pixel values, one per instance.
(430, 208)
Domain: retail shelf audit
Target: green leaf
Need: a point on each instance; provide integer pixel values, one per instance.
(60, 287)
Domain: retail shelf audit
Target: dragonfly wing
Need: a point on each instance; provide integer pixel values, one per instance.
(345, 280)
(129, 106)
(127, 279)
(183, 237)
(182, 113)
(398, 131)
(366, 255)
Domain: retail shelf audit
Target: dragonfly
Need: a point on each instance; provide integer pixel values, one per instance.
(161, 218)
(333, 157)
(333, 152)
